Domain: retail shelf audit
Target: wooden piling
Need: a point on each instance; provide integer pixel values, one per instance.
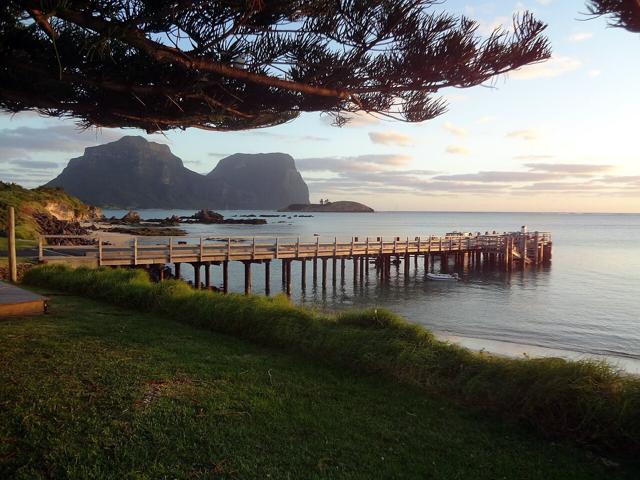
(355, 269)
(342, 267)
(267, 277)
(177, 270)
(247, 277)
(334, 272)
(303, 273)
(315, 271)
(288, 285)
(225, 276)
(196, 275)
(324, 273)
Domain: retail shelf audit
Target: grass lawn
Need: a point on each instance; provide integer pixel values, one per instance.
(96, 391)
(20, 243)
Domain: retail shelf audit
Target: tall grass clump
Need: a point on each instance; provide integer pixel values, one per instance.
(585, 401)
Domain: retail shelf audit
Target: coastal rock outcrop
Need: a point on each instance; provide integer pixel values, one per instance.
(135, 173)
(338, 207)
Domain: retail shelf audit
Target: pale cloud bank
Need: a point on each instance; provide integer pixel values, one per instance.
(580, 36)
(390, 138)
(457, 150)
(528, 134)
(457, 131)
(554, 67)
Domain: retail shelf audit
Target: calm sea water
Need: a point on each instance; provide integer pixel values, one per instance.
(587, 301)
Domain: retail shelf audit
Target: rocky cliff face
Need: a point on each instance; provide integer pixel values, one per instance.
(263, 180)
(135, 173)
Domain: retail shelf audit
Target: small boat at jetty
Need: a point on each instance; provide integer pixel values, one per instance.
(443, 277)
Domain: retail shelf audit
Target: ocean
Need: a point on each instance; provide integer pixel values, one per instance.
(585, 304)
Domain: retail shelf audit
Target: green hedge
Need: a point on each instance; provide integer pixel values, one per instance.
(584, 401)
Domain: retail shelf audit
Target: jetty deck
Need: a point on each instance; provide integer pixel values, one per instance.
(16, 301)
(502, 250)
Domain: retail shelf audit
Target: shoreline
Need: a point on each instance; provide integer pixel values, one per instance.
(505, 349)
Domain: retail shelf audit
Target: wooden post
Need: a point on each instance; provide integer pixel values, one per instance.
(355, 269)
(207, 275)
(99, 250)
(361, 270)
(324, 273)
(342, 262)
(135, 250)
(334, 272)
(536, 257)
(288, 286)
(267, 277)
(196, 275)
(177, 270)
(407, 262)
(225, 276)
(247, 277)
(315, 270)
(303, 273)
(283, 263)
(11, 245)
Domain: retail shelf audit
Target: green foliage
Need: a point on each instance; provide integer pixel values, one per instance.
(94, 391)
(585, 401)
(26, 202)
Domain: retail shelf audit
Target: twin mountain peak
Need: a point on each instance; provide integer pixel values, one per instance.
(134, 173)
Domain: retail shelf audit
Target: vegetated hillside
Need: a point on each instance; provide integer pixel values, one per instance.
(52, 202)
(341, 207)
(135, 173)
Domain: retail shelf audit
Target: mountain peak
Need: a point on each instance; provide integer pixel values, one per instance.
(133, 172)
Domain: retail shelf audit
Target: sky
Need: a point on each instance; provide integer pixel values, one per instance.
(562, 135)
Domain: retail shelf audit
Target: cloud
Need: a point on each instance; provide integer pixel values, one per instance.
(457, 131)
(58, 138)
(554, 67)
(573, 168)
(532, 157)
(457, 150)
(28, 163)
(486, 119)
(390, 138)
(294, 138)
(528, 135)
(580, 36)
(357, 163)
(497, 176)
(594, 72)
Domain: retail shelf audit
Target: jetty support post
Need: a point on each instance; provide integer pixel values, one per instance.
(288, 285)
(303, 273)
(362, 270)
(334, 271)
(324, 273)
(247, 277)
(355, 269)
(315, 271)
(342, 266)
(11, 245)
(225, 276)
(196, 275)
(177, 270)
(267, 277)
(283, 264)
(207, 275)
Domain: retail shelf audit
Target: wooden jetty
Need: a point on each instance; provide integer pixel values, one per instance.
(500, 250)
(15, 301)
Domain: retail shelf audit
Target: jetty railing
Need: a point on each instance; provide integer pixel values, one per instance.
(504, 249)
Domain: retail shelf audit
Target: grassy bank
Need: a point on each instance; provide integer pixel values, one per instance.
(27, 201)
(97, 391)
(583, 401)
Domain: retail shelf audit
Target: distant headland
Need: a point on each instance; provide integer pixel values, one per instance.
(327, 206)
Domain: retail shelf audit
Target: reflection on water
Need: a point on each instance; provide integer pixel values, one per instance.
(586, 301)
